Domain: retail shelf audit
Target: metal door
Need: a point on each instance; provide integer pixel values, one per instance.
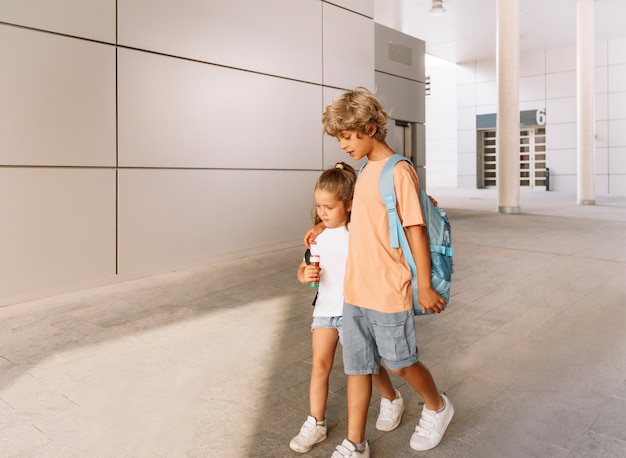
(399, 137)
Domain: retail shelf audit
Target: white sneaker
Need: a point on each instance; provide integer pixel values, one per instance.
(390, 413)
(432, 426)
(310, 434)
(347, 450)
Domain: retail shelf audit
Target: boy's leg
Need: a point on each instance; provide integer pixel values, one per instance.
(419, 377)
(359, 395)
(391, 402)
(395, 337)
(360, 361)
(383, 385)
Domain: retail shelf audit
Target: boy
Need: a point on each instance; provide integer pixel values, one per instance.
(378, 313)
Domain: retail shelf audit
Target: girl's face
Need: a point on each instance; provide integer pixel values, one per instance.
(332, 211)
(356, 144)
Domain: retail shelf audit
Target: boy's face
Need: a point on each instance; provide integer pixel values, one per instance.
(356, 144)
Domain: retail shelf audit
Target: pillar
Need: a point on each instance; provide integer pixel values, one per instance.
(507, 125)
(585, 105)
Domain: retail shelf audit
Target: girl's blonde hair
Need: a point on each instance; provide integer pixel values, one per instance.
(338, 180)
(355, 110)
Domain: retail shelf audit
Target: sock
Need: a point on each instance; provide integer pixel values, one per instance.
(444, 406)
(360, 447)
(321, 423)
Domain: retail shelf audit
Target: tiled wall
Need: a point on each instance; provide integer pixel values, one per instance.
(548, 80)
(137, 137)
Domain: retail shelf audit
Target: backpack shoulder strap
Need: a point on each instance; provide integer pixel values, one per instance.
(388, 195)
(396, 231)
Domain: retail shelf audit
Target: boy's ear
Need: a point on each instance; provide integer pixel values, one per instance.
(349, 206)
(373, 130)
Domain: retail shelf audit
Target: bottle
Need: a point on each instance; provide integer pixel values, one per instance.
(315, 261)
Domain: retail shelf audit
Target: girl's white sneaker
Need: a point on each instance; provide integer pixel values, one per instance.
(310, 434)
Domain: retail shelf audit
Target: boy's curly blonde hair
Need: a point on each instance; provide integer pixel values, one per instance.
(357, 110)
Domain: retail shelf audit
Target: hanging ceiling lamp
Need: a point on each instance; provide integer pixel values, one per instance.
(437, 9)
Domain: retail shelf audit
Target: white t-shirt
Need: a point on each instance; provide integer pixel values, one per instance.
(332, 248)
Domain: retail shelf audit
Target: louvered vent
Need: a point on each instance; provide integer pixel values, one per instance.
(400, 53)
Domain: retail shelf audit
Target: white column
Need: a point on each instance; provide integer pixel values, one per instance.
(507, 126)
(585, 96)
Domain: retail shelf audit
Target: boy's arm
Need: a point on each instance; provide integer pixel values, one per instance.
(428, 298)
(312, 233)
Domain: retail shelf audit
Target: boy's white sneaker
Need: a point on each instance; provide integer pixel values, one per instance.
(310, 434)
(432, 426)
(390, 413)
(348, 450)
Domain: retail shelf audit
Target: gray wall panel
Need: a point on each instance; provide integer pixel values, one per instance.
(278, 37)
(58, 100)
(399, 54)
(93, 19)
(186, 217)
(177, 113)
(404, 97)
(348, 49)
(364, 7)
(58, 228)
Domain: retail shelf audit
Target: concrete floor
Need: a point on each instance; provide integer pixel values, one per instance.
(215, 361)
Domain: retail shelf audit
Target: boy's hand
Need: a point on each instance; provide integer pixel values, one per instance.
(309, 237)
(430, 300)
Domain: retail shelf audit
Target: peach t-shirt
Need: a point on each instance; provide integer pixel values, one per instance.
(377, 276)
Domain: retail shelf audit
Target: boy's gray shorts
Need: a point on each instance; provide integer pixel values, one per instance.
(369, 335)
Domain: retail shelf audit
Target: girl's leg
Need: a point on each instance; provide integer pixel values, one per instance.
(324, 343)
(383, 385)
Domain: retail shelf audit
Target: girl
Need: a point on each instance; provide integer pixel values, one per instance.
(333, 202)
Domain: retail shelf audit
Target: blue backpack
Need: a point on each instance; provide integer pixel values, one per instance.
(438, 230)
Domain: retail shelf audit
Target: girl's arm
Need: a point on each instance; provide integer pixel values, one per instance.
(428, 298)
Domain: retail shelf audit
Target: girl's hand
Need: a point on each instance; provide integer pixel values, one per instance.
(309, 237)
(311, 273)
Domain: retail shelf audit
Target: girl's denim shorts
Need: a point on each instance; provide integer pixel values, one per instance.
(331, 322)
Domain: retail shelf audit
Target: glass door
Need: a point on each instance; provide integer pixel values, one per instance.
(532, 156)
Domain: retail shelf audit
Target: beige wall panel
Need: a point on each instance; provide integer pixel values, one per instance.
(58, 100)
(277, 37)
(61, 231)
(348, 49)
(185, 217)
(177, 113)
(93, 19)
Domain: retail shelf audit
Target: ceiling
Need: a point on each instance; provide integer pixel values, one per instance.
(467, 31)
